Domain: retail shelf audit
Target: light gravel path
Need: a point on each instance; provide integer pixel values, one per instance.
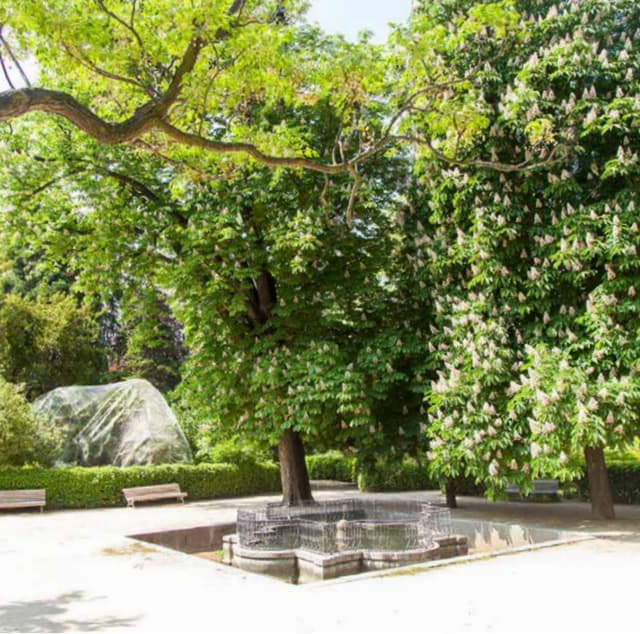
(72, 571)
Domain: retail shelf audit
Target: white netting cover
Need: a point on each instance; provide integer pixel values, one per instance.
(121, 424)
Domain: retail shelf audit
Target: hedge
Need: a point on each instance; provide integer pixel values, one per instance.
(331, 466)
(624, 478)
(93, 487)
(407, 475)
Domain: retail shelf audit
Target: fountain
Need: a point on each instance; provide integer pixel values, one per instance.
(333, 538)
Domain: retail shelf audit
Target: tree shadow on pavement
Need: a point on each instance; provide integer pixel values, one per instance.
(48, 615)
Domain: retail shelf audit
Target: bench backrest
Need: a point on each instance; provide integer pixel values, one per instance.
(23, 495)
(546, 486)
(151, 490)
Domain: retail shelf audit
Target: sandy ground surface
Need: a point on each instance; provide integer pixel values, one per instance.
(72, 571)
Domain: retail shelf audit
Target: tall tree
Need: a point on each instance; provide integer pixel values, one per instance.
(299, 323)
(537, 309)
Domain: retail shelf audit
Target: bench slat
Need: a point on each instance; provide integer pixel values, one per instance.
(169, 488)
(23, 493)
(153, 492)
(156, 495)
(23, 498)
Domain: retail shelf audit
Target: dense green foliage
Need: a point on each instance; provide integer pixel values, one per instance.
(464, 235)
(48, 342)
(405, 475)
(235, 451)
(23, 436)
(536, 271)
(93, 487)
(154, 342)
(285, 305)
(332, 465)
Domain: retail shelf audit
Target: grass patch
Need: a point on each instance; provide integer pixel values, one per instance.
(212, 555)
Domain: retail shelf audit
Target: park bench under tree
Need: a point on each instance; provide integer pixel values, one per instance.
(546, 488)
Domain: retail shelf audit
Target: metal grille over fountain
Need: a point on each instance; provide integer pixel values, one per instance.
(343, 525)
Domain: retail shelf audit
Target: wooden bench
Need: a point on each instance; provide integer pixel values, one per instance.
(541, 488)
(23, 498)
(152, 493)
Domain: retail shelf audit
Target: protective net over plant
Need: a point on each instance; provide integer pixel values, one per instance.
(121, 424)
(343, 525)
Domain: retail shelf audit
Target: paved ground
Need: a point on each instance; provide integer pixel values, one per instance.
(77, 571)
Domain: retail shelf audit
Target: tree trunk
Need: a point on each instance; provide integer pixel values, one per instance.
(450, 492)
(601, 500)
(296, 488)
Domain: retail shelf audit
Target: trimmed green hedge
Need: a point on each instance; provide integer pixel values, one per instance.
(331, 466)
(92, 487)
(624, 478)
(407, 475)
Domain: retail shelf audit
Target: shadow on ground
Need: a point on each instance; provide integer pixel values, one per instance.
(48, 615)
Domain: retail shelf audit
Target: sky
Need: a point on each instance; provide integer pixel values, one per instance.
(351, 16)
(348, 17)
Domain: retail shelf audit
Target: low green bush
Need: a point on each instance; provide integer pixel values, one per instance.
(92, 487)
(25, 437)
(332, 465)
(235, 451)
(407, 475)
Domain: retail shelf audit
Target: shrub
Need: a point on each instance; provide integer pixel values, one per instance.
(22, 436)
(92, 487)
(235, 451)
(407, 475)
(332, 465)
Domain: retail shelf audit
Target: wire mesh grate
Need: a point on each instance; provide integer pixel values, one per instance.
(340, 525)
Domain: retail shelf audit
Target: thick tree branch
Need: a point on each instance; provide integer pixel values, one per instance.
(16, 103)
(228, 147)
(134, 184)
